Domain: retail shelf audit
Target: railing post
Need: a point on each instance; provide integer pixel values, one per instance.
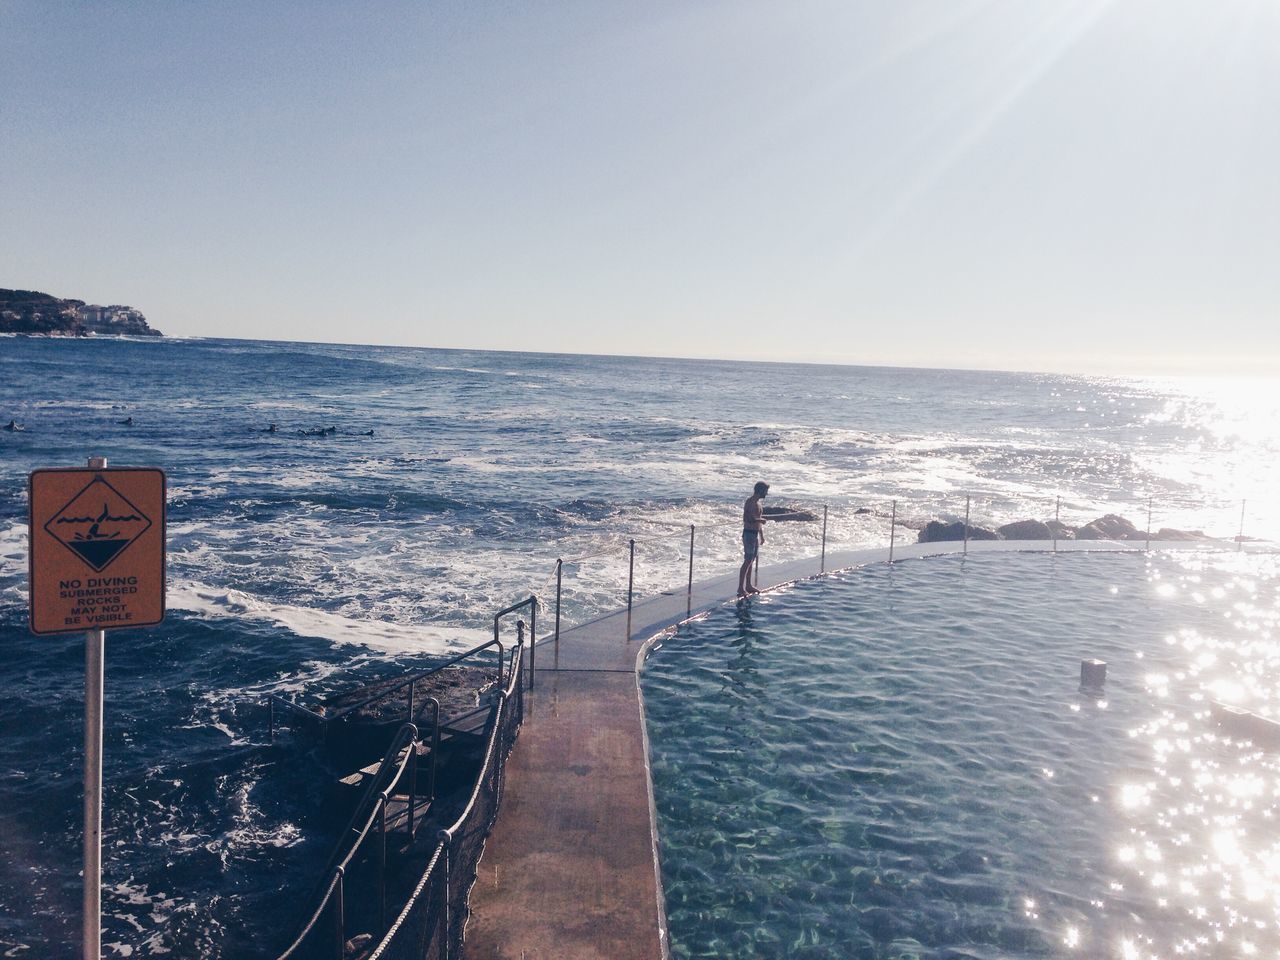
(559, 581)
(519, 643)
(1240, 535)
(631, 580)
(533, 632)
(382, 863)
(893, 527)
(271, 722)
(411, 686)
(966, 524)
(413, 780)
(688, 597)
(1057, 509)
(822, 567)
(1149, 524)
(340, 917)
(448, 931)
(435, 747)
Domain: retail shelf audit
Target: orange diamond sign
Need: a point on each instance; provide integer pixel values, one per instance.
(97, 549)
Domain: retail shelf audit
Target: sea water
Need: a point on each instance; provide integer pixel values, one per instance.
(406, 494)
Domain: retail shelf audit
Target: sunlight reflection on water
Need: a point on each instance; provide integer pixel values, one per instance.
(911, 730)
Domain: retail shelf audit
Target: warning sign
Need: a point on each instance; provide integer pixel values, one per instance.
(97, 549)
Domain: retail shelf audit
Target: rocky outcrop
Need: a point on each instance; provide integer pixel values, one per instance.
(1025, 530)
(1109, 527)
(28, 311)
(936, 531)
(789, 513)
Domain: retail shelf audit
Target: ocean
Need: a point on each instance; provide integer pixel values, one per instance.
(406, 494)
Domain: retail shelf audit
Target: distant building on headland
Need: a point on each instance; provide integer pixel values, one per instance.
(26, 311)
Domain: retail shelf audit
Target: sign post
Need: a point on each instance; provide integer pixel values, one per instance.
(96, 559)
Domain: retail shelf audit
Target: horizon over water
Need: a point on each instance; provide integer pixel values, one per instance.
(299, 559)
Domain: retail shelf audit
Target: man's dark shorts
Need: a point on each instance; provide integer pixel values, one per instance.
(750, 544)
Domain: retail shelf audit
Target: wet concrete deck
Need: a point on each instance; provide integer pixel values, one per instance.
(570, 871)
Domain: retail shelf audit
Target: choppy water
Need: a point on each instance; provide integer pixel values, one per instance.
(295, 560)
(899, 762)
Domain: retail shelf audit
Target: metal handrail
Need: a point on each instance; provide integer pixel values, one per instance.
(532, 603)
(448, 833)
(385, 692)
(440, 856)
(405, 741)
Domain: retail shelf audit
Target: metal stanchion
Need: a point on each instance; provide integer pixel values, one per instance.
(1240, 535)
(1149, 499)
(1057, 509)
(893, 527)
(631, 582)
(559, 581)
(966, 524)
(688, 597)
(822, 566)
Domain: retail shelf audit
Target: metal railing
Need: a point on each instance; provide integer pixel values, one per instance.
(407, 684)
(400, 756)
(361, 861)
(832, 524)
(430, 925)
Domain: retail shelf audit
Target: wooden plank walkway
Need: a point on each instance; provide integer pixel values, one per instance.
(570, 871)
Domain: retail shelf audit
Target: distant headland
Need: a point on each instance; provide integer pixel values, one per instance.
(26, 311)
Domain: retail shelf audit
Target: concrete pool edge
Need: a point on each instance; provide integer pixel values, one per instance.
(605, 662)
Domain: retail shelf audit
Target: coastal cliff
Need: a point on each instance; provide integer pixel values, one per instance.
(28, 311)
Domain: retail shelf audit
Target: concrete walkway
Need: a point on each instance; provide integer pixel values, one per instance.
(570, 871)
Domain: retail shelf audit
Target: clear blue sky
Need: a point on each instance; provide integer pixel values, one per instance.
(1026, 184)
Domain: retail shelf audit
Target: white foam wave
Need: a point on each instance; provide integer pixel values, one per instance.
(220, 603)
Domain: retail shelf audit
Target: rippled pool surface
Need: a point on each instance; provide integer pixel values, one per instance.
(899, 762)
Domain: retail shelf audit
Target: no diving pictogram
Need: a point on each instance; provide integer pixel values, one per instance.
(98, 524)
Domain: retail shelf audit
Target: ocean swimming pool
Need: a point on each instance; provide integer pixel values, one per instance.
(898, 761)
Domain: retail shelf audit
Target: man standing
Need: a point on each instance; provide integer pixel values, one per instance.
(752, 536)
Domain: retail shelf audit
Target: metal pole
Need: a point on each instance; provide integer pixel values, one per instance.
(822, 568)
(1149, 524)
(893, 525)
(448, 932)
(559, 581)
(410, 717)
(688, 597)
(382, 862)
(94, 642)
(533, 634)
(631, 582)
(966, 524)
(340, 917)
(1057, 509)
(1240, 536)
(271, 722)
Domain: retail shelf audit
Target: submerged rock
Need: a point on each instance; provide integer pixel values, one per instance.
(936, 531)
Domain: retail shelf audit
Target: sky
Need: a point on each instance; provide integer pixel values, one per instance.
(1083, 186)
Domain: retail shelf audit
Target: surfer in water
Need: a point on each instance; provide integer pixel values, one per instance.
(752, 537)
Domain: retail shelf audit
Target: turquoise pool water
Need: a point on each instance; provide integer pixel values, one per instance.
(899, 762)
